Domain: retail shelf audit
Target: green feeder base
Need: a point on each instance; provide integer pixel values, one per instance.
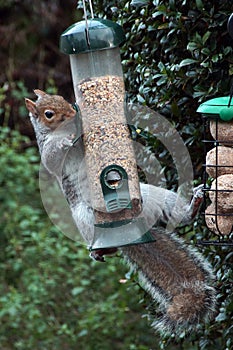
(118, 234)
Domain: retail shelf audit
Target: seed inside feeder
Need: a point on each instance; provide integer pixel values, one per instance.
(107, 140)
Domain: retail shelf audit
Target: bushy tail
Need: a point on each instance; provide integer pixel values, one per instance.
(178, 278)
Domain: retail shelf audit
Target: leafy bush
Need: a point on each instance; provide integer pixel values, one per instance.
(177, 54)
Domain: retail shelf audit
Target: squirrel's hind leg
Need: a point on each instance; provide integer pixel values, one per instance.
(194, 207)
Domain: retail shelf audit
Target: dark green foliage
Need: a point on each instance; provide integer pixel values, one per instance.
(177, 54)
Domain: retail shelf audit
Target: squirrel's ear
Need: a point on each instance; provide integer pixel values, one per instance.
(39, 93)
(31, 106)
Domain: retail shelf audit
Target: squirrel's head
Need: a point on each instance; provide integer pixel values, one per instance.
(50, 110)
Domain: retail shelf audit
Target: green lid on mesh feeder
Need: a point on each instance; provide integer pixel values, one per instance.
(218, 107)
(91, 35)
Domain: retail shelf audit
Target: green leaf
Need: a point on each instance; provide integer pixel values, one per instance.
(206, 36)
(192, 45)
(199, 5)
(139, 3)
(205, 51)
(187, 62)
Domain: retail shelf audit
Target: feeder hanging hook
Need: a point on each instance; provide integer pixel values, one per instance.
(86, 18)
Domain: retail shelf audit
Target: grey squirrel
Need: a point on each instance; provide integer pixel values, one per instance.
(175, 275)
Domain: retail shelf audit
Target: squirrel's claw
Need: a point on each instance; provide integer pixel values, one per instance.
(98, 254)
(198, 191)
(67, 142)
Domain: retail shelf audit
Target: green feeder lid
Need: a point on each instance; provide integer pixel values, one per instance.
(218, 106)
(101, 34)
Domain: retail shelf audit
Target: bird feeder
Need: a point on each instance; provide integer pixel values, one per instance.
(217, 114)
(93, 48)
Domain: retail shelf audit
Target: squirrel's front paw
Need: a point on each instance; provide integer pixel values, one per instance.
(198, 191)
(67, 142)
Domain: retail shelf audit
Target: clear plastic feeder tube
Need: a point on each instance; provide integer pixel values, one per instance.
(100, 94)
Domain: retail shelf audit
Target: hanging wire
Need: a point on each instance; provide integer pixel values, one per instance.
(85, 10)
(231, 95)
(91, 9)
(86, 18)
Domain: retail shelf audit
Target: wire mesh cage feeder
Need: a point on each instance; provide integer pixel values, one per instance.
(217, 115)
(93, 47)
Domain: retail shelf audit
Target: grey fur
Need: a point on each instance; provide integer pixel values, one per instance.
(167, 268)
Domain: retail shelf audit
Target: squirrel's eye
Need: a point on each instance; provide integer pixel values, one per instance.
(49, 114)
